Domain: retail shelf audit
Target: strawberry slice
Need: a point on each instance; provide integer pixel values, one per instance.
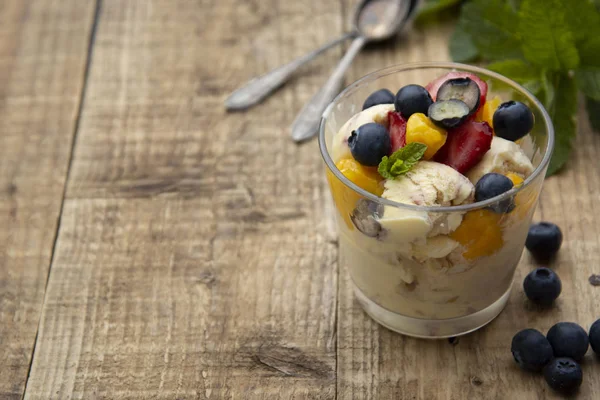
(397, 130)
(466, 145)
(434, 86)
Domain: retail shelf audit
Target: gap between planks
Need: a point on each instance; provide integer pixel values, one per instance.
(90, 49)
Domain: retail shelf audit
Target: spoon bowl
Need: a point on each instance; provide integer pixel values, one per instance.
(378, 20)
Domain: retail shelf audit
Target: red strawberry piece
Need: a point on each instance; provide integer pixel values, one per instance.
(397, 130)
(466, 145)
(434, 86)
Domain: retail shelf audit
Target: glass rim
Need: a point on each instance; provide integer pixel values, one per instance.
(434, 65)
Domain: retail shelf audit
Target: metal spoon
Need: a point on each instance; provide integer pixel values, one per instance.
(259, 88)
(374, 20)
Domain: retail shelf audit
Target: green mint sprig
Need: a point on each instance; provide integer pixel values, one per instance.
(551, 47)
(401, 161)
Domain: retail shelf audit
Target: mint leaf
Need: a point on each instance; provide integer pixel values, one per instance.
(516, 4)
(520, 72)
(588, 81)
(548, 91)
(593, 110)
(547, 40)
(492, 27)
(582, 18)
(461, 47)
(589, 52)
(401, 161)
(564, 117)
(517, 70)
(431, 7)
(588, 75)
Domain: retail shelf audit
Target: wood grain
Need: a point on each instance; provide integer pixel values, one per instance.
(195, 258)
(375, 363)
(43, 52)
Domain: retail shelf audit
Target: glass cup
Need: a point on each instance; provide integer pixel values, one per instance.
(402, 276)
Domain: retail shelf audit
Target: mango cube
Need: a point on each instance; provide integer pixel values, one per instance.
(480, 233)
(420, 129)
(344, 197)
(486, 113)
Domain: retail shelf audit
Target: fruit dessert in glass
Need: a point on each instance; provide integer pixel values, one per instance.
(434, 189)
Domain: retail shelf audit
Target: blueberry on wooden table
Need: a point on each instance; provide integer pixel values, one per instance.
(595, 336)
(542, 286)
(544, 240)
(568, 340)
(563, 375)
(531, 350)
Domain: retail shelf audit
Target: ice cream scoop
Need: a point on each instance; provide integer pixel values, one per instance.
(503, 157)
(428, 184)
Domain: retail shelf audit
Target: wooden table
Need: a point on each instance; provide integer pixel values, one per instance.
(153, 246)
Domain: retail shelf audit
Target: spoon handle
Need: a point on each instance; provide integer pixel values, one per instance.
(259, 88)
(307, 122)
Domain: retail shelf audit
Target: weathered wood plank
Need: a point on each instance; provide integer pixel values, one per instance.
(43, 52)
(374, 363)
(194, 259)
(164, 68)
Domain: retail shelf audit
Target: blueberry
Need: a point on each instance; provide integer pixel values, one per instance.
(595, 336)
(463, 89)
(412, 99)
(568, 340)
(563, 375)
(531, 349)
(365, 217)
(544, 240)
(382, 96)
(512, 120)
(448, 113)
(542, 286)
(370, 143)
(492, 185)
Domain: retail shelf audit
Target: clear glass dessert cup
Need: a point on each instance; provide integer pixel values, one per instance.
(396, 276)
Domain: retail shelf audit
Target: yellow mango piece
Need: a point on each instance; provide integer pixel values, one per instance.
(516, 179)
(480, 233)
(364, 177)
(525, 201)
(344, 197)
(420, 129)
(486, 113)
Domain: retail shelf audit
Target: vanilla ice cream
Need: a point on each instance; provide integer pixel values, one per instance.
(503, 157)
